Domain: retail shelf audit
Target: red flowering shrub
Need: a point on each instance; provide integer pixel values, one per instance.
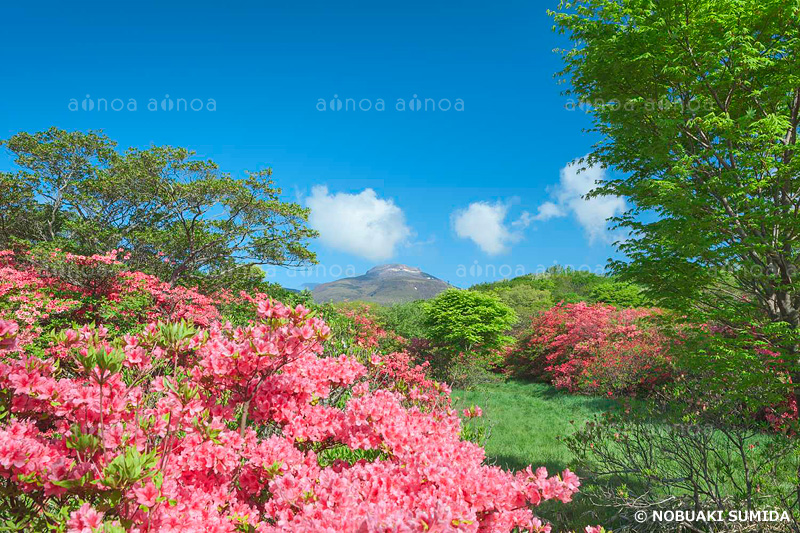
(181, 427)
(393, 367)
(29, 298)
(41, 291)
(168, 301)
(595, 349)
(367, 332)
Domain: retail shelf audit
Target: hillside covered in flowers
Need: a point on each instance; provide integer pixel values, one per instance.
(128, 404)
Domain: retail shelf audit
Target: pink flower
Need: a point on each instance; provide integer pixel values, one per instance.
(473, 412)
(146, 495)
(84, 520)
(8, 335)
(215, 469)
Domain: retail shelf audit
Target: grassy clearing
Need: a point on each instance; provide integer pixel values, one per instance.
(526, 420)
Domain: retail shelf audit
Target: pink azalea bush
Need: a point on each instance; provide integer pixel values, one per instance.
(39, 291)
(595, 348)
(191, 424)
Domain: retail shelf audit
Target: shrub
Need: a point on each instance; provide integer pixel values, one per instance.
(57, 289)
(525, 300)
(595, 349)
(619, 294)
(468, 334)
(666, 455)
(722, 435)
(405, 319)
(749, 369)
(187, 427)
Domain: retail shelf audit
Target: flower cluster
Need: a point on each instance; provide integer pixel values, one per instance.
(184, 426)
(29, 298)
(368, 333)
(473, 412)
(595, 348)
(42, 291)
(169, 301)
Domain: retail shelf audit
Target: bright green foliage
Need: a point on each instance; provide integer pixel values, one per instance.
(328, 455)
(525, 300)
(467, 321)
(128, 468)
(698, 105)
(740, 373)
(405, 319)
(533, 293)
(619, 294)
(180, 218)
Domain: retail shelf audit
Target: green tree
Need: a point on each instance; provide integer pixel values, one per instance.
(467, 321)
(619, 294)
(42, 200)
(179, 217)
(406, 319)
(697, 103)
(525, 300)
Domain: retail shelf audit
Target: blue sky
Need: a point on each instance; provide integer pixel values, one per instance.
(466, 194)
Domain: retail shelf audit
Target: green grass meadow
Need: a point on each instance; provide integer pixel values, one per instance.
(526, 419)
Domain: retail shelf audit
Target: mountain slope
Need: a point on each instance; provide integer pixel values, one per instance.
(384, 284)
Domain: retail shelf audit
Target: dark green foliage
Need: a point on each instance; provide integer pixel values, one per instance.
(179, 217)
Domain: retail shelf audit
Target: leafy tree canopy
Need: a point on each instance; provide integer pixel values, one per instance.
(697, 103)
(533, 293)
(467, 321)
(620, 294)
(179, 217)
(406, 319)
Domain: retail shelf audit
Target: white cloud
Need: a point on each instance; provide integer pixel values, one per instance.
(549, 210)
(361, 224)
(591, 214)
(484, 224)
(523, 221)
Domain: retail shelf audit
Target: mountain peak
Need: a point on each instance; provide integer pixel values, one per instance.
(393, 269)
(384, 284)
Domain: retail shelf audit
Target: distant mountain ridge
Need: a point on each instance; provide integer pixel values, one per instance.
(383, 284)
